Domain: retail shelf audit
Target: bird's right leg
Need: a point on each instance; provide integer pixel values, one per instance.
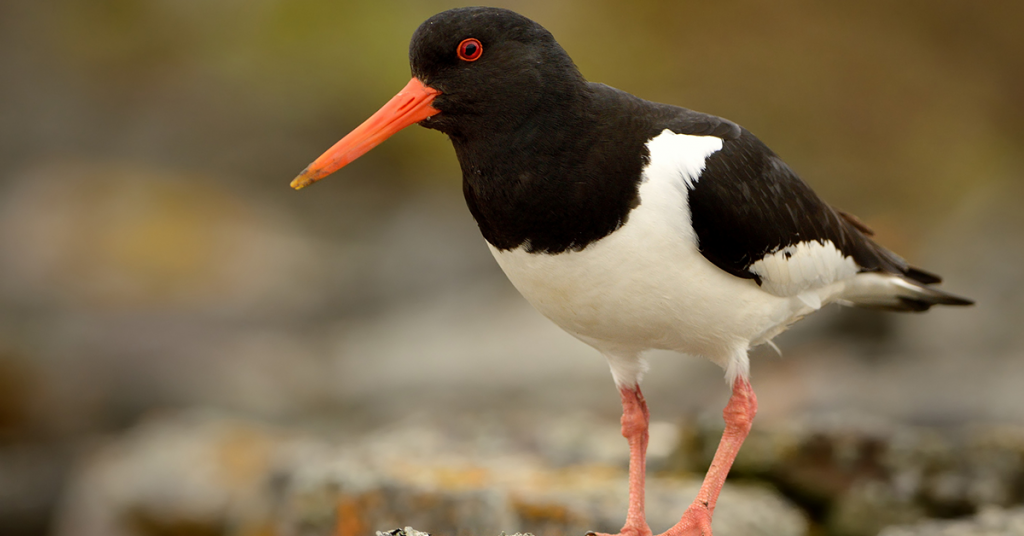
(635, 423)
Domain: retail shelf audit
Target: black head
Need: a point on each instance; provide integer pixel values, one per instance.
(489, 78)
(520, 68)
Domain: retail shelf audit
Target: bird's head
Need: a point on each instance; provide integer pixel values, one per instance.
(476, 71)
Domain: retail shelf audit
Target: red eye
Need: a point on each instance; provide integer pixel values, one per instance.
(470, 49)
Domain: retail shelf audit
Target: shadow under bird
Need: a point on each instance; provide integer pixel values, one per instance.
(632, 225)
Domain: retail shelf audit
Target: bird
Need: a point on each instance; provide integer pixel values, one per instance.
(632, 225)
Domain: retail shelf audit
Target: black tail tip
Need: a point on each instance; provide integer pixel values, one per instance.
(956, 300)
(935, 297)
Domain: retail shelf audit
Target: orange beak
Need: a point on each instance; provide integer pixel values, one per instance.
(411, 105)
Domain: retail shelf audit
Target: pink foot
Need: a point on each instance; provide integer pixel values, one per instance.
(695, 522)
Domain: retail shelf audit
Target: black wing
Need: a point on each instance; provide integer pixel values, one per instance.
(747, 203)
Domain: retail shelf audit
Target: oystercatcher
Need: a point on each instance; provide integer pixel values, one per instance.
(632, 225)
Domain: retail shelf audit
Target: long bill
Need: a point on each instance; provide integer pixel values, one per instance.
(409, 106)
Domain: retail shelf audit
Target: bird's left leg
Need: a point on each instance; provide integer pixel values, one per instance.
(739, 416)
(635, 423)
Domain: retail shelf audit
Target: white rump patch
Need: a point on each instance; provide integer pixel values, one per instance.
(804, 266)
(681, 155)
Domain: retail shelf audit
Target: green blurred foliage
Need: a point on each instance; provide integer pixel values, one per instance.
(895, 110)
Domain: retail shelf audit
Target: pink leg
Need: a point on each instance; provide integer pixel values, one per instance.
(739, 415)
(635, 420)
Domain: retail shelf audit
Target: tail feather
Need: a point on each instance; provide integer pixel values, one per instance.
(921, 298)
(891, 292)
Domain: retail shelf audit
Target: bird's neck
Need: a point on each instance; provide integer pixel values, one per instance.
(548, 183)
(522, 135)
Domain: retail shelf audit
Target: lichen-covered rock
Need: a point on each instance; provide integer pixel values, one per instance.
(204, 474)
(427, 477)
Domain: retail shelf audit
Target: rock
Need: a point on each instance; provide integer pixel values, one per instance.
(472, 499)
(861, 474)
(193, 474)
(486, 483)
(206, 474)
(991, 521)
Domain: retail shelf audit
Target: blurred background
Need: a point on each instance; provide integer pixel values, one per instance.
(154, 260)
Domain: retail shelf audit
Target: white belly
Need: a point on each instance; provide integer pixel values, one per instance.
(624, 296)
